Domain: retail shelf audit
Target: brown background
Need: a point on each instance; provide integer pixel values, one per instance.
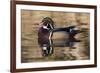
(31, 52)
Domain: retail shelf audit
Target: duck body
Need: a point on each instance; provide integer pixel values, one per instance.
(65, 37)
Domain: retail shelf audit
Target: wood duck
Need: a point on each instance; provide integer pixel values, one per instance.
(44, 36)
(46, 32)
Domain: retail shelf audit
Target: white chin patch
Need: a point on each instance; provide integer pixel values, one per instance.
(44, 48)
(45, 27)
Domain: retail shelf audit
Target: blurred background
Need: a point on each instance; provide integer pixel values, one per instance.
(30, 50)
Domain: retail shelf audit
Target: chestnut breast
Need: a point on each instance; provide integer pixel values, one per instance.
(43, 36)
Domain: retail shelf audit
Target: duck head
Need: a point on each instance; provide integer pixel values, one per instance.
(47, 23)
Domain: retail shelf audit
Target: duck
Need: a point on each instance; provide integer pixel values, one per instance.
(44, 36)
(46, 33)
